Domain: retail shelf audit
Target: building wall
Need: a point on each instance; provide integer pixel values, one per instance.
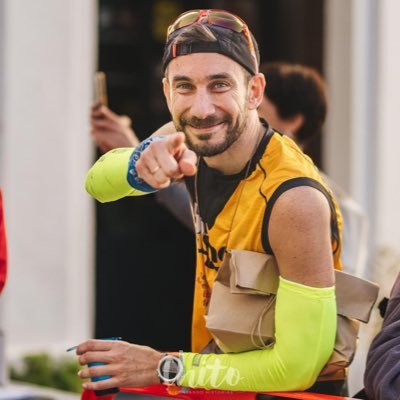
(45, 150)
(362, 140)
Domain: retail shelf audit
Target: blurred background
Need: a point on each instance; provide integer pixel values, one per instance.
(80, 269)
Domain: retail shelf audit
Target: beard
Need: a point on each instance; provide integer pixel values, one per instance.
(204, 149)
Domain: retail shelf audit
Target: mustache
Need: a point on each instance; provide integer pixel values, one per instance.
(205, 122)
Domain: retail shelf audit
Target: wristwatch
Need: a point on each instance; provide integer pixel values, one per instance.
(170, 369)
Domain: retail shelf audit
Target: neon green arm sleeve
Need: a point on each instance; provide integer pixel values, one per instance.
(305, 330)
(107, 179)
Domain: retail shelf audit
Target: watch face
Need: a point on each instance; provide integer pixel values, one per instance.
(169, 368)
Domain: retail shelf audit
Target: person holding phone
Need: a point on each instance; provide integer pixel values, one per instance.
(110, 130)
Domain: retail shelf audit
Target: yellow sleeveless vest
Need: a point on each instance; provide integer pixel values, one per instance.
(279, 165)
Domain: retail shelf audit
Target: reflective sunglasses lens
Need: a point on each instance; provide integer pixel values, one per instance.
(225, 21)
(185, 20)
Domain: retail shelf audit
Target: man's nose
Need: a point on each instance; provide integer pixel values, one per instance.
(202, 105)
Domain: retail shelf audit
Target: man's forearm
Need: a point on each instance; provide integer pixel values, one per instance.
(107, 179)
(305, 336)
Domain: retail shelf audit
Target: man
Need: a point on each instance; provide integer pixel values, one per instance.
(253, 189)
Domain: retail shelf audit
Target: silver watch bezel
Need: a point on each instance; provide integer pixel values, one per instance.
(179, 373)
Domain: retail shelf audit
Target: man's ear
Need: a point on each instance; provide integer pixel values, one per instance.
(256, 91)
(167, 93)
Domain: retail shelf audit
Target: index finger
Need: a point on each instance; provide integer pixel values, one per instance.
(174, 142)
(167, 156)
(94, 345)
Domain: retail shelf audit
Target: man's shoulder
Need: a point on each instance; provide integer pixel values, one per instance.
(282, 152)
(303, 203)
(285, 166)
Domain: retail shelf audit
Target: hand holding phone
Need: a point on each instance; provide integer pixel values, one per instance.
(101, 88)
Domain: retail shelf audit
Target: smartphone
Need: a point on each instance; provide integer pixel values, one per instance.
(100, 86)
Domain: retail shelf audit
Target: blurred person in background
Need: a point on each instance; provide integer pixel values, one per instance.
(295, 104)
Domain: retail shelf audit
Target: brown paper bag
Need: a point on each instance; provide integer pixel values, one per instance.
(241, 312)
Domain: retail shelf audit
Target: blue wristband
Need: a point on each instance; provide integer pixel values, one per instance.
(133, 177)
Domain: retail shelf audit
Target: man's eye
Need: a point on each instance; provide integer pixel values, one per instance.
(220, 85)
(183, 86)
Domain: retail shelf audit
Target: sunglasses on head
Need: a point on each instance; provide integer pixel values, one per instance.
(221, 18)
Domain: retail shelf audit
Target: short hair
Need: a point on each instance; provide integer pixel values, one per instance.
(297, 89)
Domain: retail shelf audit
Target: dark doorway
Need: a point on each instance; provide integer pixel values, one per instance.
(145, 257)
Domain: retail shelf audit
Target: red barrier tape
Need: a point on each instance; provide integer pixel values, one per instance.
(202, 394)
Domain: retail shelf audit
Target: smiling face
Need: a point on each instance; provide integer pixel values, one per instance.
(207, 95)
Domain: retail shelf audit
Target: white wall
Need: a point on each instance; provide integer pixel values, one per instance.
(337, 71)
(362, 68)
(48, 63)
(388, 128)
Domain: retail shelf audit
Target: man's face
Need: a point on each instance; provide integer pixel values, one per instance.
(207, 97)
